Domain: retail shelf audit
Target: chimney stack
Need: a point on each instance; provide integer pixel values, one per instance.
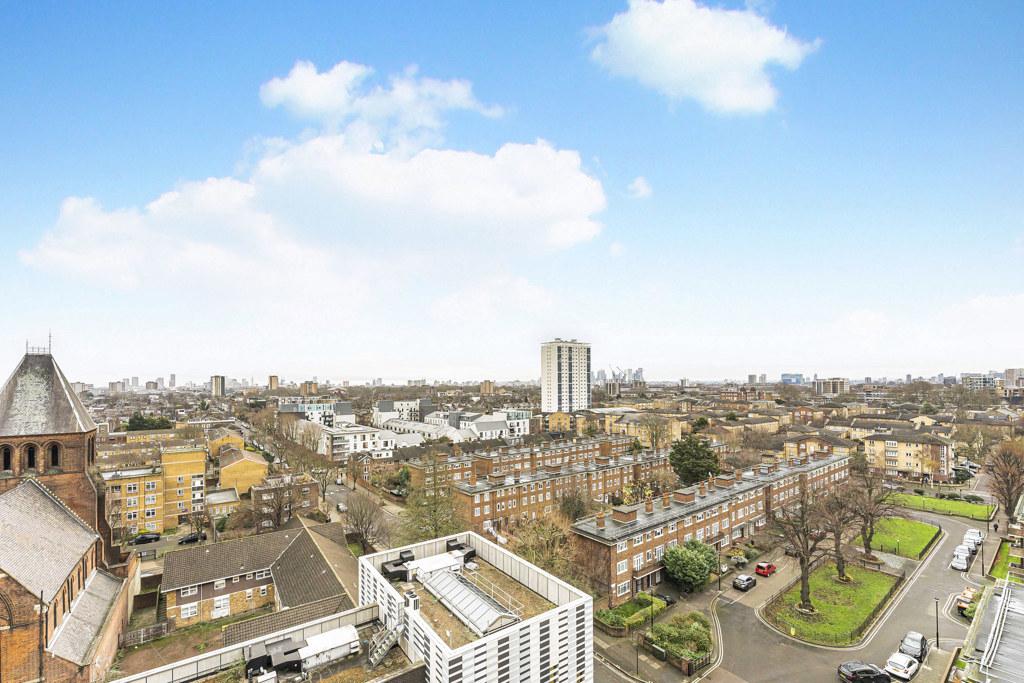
(600, 520)
(666, 500)
(649, 505)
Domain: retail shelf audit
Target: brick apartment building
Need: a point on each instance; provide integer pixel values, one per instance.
(507, 488)
(624, 550)
(279, 498)
(914, 455)
(284, 569)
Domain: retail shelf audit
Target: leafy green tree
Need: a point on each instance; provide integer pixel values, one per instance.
(139, 422)
(692, 459)
(690, 564)
(699, 424)
(731, 416)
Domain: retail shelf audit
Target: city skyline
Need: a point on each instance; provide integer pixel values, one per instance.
(333, 201)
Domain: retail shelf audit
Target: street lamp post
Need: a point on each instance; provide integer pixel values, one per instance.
(937, 623)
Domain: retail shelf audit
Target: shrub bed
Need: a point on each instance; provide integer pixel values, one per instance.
(684, 637)
(634, 613)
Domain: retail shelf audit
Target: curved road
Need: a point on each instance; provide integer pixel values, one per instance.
(755, 652)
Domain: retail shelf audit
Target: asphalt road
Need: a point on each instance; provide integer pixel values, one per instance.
(754, 652)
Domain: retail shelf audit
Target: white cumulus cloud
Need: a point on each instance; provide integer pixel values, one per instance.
(718, 57)
(639, 188)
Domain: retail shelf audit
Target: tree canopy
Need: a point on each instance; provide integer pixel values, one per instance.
(139, 422)
(692, 459)
(690, 564)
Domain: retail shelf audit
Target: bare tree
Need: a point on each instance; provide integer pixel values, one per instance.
(836, 514)
(1007, 468)
(575, 501)
(871, 502)
(799, 525)
(366, 520)
(655, 428)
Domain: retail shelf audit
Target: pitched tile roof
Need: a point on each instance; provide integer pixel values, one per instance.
(41, 539)
(38, 399)
(205, 563)
(302, 574)
(79, 630)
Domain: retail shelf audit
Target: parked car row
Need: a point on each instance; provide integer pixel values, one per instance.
(901, 665)
(962, 554)
(745, 582)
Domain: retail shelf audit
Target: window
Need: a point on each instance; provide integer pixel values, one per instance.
(54, 455)
(151, 486)
(6, 458)
(189, 610)
(263, 573)
(234, 579)
(132, 502)
(31, 456)
(263, 591)
(218, 584)
(150, 512)
(621, 567)
(188, 590)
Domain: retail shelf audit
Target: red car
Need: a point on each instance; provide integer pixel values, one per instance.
(765, 569)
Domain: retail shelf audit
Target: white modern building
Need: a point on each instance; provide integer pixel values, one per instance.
(831, 387)
(471, 611)
(501, 424)
(565, 376)
(345, 440)
(326, 412)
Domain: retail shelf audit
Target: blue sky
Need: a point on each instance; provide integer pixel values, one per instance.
(830, 189)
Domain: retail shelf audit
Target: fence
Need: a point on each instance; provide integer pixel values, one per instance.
(205, 665)
(144, 635)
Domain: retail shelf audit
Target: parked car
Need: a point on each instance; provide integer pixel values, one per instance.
(744, 582)
(862, 672)
(739, 560)
(964, 550)
(971, 542)
(915, 645)
(901, 666)
(790, 551)
(195, 537)
(338, 481)
(142, 539)
(959, 563)
(975, 533)
(765, 569)
(342, 507)
(666, 598)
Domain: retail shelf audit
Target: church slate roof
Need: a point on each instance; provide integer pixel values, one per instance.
(41, 540)
(37, 399)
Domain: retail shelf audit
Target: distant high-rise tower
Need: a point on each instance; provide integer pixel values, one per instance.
(273, 383)
(174, 381)
(751, 379)
(565, 376)
(217, 385)
(763, 379)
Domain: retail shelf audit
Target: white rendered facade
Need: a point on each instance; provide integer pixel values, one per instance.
(346, 440)
(565, 376)
(556, 645)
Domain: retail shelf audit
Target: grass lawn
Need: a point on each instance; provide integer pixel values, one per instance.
(906, 537)
(842, 607)
(958, 508)
(1001, 568)
(356, 549)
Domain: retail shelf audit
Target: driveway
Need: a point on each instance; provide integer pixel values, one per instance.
(754, 652)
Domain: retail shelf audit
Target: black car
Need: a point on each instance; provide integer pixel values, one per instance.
(195, 537)
(915, 645)
(744, 582)
(142, 539)
(861, 672)
(666, 598)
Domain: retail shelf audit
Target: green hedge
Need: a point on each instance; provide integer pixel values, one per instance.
(654, 607)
